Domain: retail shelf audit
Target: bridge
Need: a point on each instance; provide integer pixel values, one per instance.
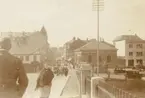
(97, 87)
(94, 87)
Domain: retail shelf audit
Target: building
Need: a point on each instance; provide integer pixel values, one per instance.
(70, 46)
(29, 46)
(131, 47)
(88, 53)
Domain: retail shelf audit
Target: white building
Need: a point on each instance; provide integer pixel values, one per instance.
(31, 46)
(131, 47)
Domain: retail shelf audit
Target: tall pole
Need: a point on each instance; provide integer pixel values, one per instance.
(98, 42)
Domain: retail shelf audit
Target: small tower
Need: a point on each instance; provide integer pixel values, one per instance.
(43, 30)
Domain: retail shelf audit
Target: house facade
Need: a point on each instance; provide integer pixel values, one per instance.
(70, 46)
(131, 47)
(31, 46)
(88, 53)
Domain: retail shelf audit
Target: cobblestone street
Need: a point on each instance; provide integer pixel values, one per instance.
(58, 83)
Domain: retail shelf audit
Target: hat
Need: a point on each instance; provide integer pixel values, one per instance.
(5, 43)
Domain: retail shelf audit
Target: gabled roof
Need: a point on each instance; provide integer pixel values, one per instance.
(74, 40)
(93, 46)
(128, 38)
(28, 44)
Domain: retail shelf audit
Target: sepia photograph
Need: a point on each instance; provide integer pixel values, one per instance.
(72, 49)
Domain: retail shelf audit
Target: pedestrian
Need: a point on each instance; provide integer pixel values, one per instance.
(13, 78)
(66, 71)
(44, 81)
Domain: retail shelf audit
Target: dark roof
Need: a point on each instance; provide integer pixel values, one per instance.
(93, 46)
(130, 38)
(74, 39)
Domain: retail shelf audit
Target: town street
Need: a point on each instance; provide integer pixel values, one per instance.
(57, 85)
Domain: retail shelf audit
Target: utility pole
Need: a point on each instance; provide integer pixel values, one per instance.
(98, 36)
(97, 6)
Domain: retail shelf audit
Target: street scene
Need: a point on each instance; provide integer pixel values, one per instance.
(57, 86)
(72, 49)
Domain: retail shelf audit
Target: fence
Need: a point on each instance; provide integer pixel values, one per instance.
(106, 90)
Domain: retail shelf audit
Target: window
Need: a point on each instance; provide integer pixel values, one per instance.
(139, 54)
(27, 58)
(108, 58)
(100, 59)
(89, 58)
(130, 53)
(21, 57)
(130, 45)
(131, 63)
(139, 46)
(139, 61)
(35, 58)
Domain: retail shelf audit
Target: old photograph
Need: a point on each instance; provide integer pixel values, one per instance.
(72, 49)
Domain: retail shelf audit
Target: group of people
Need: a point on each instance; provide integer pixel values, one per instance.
(60, 70)
(13, 78)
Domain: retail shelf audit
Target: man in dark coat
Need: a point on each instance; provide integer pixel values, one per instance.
(13, 78)
(44, 80)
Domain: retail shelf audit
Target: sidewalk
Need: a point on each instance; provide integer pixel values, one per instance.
(58, 86)
(72, 87)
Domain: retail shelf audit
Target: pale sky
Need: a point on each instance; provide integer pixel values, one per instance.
(64, 19)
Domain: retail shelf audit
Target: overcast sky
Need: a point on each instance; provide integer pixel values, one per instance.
(64, 19)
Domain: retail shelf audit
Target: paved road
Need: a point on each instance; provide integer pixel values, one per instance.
(58, 82)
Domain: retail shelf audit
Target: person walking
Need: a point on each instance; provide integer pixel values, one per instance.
(44, 81)
(13, 78)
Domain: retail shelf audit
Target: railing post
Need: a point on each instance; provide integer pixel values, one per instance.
(91, 88)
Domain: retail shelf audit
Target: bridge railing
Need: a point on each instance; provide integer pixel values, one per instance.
(106, 90)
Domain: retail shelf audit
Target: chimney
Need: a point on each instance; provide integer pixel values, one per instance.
(78, 39)
(74, 38)
(135, 34)
(87, 39)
